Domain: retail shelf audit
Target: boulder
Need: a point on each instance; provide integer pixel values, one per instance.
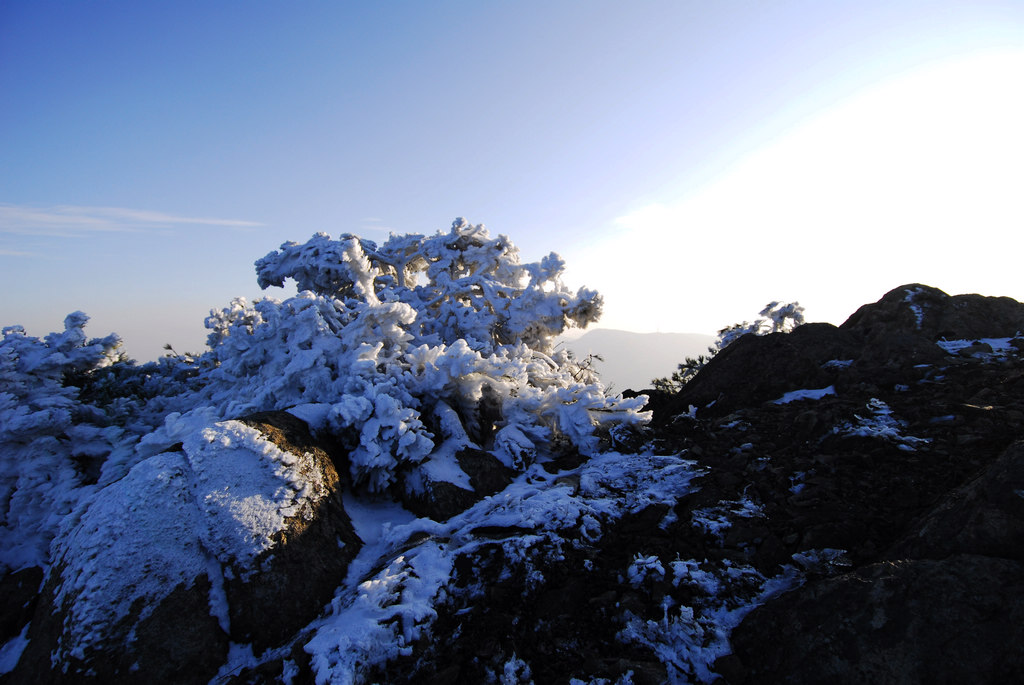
(131, 586)
(286, 586)
(435, 496)
(757, 369)
(921, 310)
(241, 537)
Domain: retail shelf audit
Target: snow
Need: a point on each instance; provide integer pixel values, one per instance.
(717, 519)
(689, 639)
(388, 597)
(821, 560)
(246, 488)
(105, 568)
(382, 619)
(880, 424)
(797, 395)
(11, 651)
(1000, 346)
(642, 567)
(374, 516)
(516, 672)
(915, 308)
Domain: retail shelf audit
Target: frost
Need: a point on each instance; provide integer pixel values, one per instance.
(915, 308)
(382, 620)
(822, 560)
(717, 519)
(49, 438)
(246, 489)
(776, 317)
(396, 587)
(402, 353)
(173, 518)
(644, 567)
(997, 348)
(796, 395)
(689, 639)
(880, 424)
(516, 672)
(11, 651)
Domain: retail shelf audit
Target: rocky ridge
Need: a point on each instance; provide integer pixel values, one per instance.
(838, 503)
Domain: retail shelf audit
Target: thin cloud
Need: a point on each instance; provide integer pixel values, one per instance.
(69, 221)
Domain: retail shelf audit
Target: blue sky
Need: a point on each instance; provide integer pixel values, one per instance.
(690, 160)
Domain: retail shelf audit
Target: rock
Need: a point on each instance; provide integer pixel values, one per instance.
(18, 593)
(486, 473)
(287, 585)
(131, 585)
(921, 310)
(242, 537)
(439, 499)
(955, 620)
(984, 517)
(757, 369)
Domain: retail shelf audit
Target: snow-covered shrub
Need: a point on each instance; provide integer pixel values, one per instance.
(413, 349)
(51, 442)
(776, 317)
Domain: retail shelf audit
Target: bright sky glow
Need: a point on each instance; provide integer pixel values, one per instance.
(690, 160)
(917, 179)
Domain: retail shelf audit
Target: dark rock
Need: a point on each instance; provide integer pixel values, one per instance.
(758, 369)
(920, 310)
(955, 620)
(19, 591)
(984, 517)
(486, 473)
(440, 500)
(177, 641)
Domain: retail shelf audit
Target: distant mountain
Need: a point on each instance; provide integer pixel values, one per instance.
(631, 360)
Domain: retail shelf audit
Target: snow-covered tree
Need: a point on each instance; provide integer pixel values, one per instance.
(51, 442)
(415, 349)
(776, 317)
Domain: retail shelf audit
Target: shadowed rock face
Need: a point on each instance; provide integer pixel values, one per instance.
(947, 606)
(955, 620)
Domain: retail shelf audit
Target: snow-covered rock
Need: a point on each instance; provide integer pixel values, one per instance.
(240, 536)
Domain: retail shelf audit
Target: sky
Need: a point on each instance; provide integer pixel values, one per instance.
(690, 160)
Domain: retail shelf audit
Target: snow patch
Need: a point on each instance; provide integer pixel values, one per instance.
(880, 424)
(797, 395)
(383, 619)
(1000, 346)
(11, 651)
